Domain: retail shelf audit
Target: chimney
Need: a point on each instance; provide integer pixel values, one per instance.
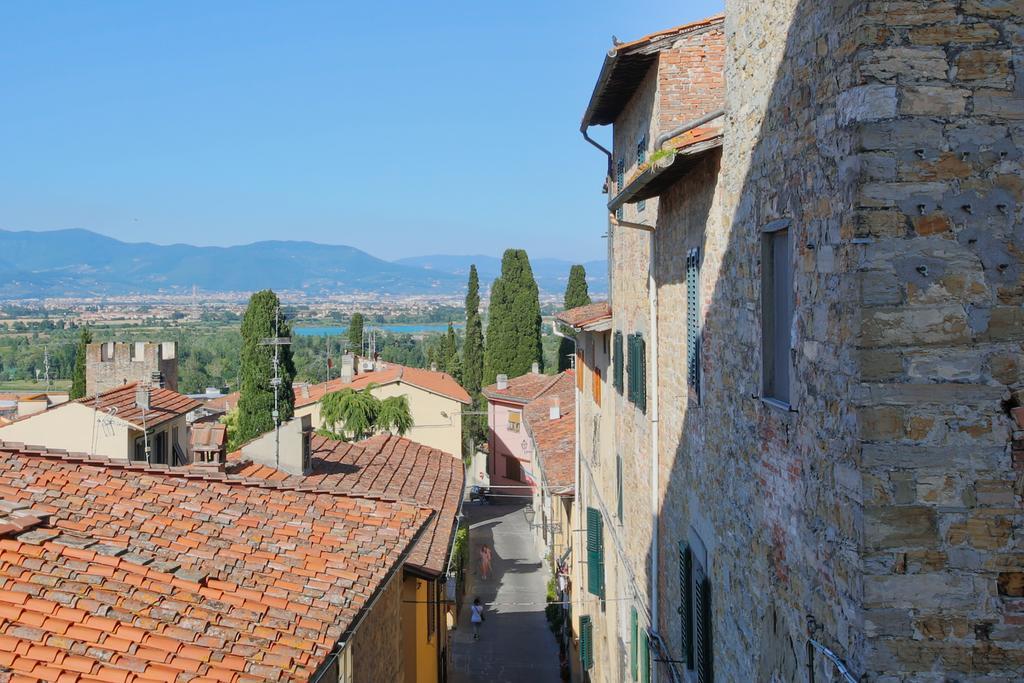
(535, 368)
(555, 411)
(295, 451)
(433, 367)
(142, 397)
(156, 379)
(305, 390)
(348, 367)
(502, 382)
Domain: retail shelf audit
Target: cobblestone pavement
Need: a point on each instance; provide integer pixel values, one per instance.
(515, 641)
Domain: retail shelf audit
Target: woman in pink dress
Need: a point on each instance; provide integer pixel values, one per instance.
(485, 561)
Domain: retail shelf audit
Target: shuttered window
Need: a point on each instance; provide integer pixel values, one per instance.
(645, 657)
(596, 385)
(579, 370)
(586, 643)
(636, 367)
(595, 552)
(693, 320)
(633, 659)
(617, 361)
(620, 175)
(686, 603)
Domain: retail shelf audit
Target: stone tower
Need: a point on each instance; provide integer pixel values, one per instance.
(111, 364)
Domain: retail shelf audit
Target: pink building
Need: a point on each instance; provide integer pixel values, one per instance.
(511, 461)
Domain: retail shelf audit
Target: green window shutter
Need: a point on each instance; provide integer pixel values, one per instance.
(645, 657)
(617, 361)
(595, 552)
(641, 383)
(586, 643)
(685, 603)
(618, 484)
(630, 368)
(632, 643)
(693, 319)
(702, 626)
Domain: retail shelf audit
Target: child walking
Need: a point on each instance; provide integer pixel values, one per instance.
(476, 615)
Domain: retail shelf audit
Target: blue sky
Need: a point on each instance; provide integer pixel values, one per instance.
(400, 128)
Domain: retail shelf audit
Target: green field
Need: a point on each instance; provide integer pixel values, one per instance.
(29, 385)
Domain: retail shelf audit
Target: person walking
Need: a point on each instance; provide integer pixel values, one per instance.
(485, 561)
(476, 615)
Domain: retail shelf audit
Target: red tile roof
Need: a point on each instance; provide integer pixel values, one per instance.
(439, 383)
(148, 574)
(208, 436)
(555, 439)
(164, 405)
(387, 465)
(585, 315)
(522, 389)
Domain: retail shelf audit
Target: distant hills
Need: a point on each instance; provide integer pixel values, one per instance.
(551, 274)
(83, 263)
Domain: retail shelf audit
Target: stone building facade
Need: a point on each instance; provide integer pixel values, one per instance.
(845, 479)
(109, 365)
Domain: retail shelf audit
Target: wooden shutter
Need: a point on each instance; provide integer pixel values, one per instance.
(645, 657)
(617, 361)
(579, 370)
(596, 388)
(702, 625)
(633, 660)
(586, 642)
(630, 370)
(693, 319)
(595, 552)
(641, 384)
(685, 602)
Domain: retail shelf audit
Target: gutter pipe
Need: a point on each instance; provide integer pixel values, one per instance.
(689, 125)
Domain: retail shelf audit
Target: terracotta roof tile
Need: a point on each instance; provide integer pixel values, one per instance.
(164, 404)
(522, 389)
(149, 584)
(429, 380)
(393, 466)
(585, 315)
(555, 439)
(207, 436)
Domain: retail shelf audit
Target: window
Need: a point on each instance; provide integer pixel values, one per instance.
(693, 320)
(586, 643)
(641, 151)
(433, 595)
(636, 368)
(641, 205)
(620, 175)
(595, 381)
(139, 452)
(633, 659)
(776, 311)
(514, 422)
(617, 361)
(579, 369)
(645, 657)
(595, 552)
(618, 486)
(695, 612)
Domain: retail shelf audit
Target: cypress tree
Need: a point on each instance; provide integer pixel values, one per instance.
(355, 333)
(473, 347)
(513, 329)
(78, 377)
(256, 403)
(576, 294)
(450, 353)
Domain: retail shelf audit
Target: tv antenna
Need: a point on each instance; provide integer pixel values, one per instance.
(46, 367)
(277, 342)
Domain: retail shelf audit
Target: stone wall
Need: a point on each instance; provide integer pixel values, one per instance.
(377, 651)
(111, 364)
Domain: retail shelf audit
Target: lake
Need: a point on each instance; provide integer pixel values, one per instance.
(403, 328)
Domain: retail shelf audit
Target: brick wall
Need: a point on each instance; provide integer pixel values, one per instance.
(691, 79)
(377, 644)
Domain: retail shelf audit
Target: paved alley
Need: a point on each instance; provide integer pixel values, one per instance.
(515, 641)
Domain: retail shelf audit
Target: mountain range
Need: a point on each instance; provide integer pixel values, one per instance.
(79, 262)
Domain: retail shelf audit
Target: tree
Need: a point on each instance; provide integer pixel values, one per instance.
(263, 320)
(473, 346)
(394, 415)
(358, 414)
(449, 355)
(576, 294)
(78, 378)
(513, 328)
(355, 332)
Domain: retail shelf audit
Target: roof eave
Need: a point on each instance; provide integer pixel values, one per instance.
(642, 186)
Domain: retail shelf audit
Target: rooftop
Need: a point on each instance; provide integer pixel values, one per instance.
(387, 465)
(116, 572)
(624, 68)
(522, 389)
(435, 382)
(555, 439)
(585, 317)
(164, 405)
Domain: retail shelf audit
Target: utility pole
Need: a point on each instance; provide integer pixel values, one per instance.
(46, 367)
(277, 342)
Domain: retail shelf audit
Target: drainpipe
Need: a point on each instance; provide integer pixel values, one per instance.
(652, 295)
(578, 497)
(595, 143)
(689, 125)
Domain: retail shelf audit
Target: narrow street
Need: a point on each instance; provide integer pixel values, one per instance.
(515, 642)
